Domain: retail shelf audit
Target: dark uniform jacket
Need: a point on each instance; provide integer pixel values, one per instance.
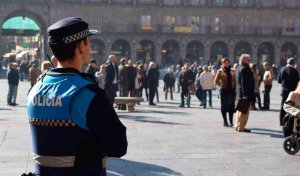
(97, 132)
(245, 84)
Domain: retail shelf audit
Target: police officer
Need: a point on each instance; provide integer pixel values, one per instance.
(74, 126)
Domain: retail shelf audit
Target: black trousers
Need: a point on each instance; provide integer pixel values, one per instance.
(112, 92)
(169, 88)
(284, 95)
(267, 96)
(152, 90)
(146, 92)
(184, 91)
(199, 93)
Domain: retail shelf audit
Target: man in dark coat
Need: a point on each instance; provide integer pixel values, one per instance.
(245, 86)
(131, 74)
(186, 79)
(288, 77)
(152, 77)
(169, 80)
(112, 77)
(123, 81)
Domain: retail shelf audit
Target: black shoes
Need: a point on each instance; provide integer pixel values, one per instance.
(152, 104)
(12, 104)
(225, 125)
(245, 130)
(181, 106)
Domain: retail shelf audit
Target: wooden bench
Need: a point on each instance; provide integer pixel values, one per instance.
(129, 101)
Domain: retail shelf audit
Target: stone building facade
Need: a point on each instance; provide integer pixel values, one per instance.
(176, 31)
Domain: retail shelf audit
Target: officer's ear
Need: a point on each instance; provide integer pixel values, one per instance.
(82, 44)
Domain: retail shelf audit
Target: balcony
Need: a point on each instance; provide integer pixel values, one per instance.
(291, 3)
(146, 28)
(117, 28)
(202, 30)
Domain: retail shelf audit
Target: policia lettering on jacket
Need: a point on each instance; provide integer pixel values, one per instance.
(73, 124)
(46, 100)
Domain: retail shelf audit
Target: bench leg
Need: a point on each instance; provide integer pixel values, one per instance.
(130, 107)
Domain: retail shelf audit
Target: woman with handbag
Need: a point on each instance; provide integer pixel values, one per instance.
(225, 79)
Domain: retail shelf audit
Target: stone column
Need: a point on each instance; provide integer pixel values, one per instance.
(182, 53)
(157, 56)
(133, 52)
(231, 54)
(206, 54)
(107, 50)
(254, 55)
(277, 55)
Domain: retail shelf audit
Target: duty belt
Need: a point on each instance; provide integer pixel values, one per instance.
(60, 161)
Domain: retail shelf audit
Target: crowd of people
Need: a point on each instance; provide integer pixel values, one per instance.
(137, 79)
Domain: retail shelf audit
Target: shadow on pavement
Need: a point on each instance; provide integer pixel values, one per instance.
(144, 119)
(159, 112)
(5, 109)
(121, 167)
(273, 110)
(268, 132)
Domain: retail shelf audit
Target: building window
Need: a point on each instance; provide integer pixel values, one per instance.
(195, 23)
(219, 2)
(290, 25)
(146, 20)
(147, 1)
(217, 24)
(121, 1)
(241, 23)
(172, 2)
(244, 2)
(121, 19)
(197, 2)
(170, 20)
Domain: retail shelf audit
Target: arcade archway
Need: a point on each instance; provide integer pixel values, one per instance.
(288, 49)
(195, 52)
(121, 48)
(266, 53)
(22, 36)
(241, 47)
(170, 52)
(98, 50)
(145, 51)
(217, 51)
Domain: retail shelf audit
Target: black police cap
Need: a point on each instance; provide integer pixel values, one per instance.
(69, 30)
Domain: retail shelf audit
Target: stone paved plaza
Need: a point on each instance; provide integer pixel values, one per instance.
(168, 141)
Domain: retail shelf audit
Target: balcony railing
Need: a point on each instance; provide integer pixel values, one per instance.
(210, 3)
(202, 30)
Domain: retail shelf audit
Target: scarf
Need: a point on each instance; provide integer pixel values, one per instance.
(227, 70)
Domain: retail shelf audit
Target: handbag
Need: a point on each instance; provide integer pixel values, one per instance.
(242, 105)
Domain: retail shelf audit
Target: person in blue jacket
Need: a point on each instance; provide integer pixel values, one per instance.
(73, 124)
